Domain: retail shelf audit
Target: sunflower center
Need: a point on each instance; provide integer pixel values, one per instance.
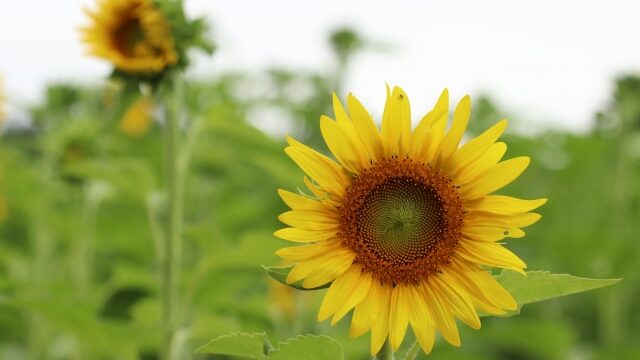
(402, 219)
(129, 37)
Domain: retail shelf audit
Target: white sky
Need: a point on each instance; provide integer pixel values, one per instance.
(552, 63)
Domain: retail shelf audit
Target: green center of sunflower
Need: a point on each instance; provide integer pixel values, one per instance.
(402, 219)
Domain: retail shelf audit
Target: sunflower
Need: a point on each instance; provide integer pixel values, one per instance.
(137, 120)
(403, 222)
(133, 35)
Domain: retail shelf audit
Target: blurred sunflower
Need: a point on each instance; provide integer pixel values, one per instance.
(137, 120)
(403, 222)
(133, 35)
(281, 299)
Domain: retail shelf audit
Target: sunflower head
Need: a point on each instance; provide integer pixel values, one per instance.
(142, 38)
(403, 222)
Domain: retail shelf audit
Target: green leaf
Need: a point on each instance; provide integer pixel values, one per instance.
(280, 274)
(308, 347)
(543, 285)
(246, 345)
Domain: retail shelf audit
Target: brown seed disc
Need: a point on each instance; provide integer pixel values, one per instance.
(402, 219)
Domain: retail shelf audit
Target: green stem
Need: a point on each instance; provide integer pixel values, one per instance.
(84, 253)
(38, 327)
(42, 247)
(386, 353)
(173, 238)
(413, 351)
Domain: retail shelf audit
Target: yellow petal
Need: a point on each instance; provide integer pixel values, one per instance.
(319, 192)
(303, 236)
(366, 313)
(500, 204)
(301, 202)
(329, 175)
(490, 233)
(451, 141)
(310, 220)
(486, 285)
(421, 319)
(426, 336)
(298, 253)
(438, 127)
(380, 328)
(335, 262)
(341, 145)
(479, 298)
(421, 139)
(483, 163)
(481, 218)
(328, 271)
(357, 296)
(399, 315)
(458, 299)
(442, 315)
(490, 253)
(473, 149)
(439, 110)
(495, 177)
(341, 115)
(522, 220)
(350, 132)
(396, 123)
(366, 128)
(339, 292)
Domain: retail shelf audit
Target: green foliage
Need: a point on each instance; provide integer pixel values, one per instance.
(543, 285)
(310, 347)
(78, 248)
(345, 42)
(257, 346)
(245, 345)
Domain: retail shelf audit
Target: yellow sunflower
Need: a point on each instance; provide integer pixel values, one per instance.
(133, 35)
(137, 120)
(403, 222)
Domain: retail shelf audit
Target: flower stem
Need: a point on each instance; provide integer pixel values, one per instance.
(413, 351)
(173, 232)
(386, 353)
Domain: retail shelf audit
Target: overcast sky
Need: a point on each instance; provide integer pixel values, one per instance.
(552, 63)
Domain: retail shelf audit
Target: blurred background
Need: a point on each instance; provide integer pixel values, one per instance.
(81, 169)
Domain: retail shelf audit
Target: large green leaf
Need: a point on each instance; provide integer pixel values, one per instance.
(245, 345)
(543, 285)
(280, 274)
(308, 347)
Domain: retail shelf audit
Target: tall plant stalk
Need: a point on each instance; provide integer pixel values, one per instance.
(386, 353)
(170, 261)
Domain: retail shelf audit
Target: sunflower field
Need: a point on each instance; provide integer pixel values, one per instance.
(152, 214)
